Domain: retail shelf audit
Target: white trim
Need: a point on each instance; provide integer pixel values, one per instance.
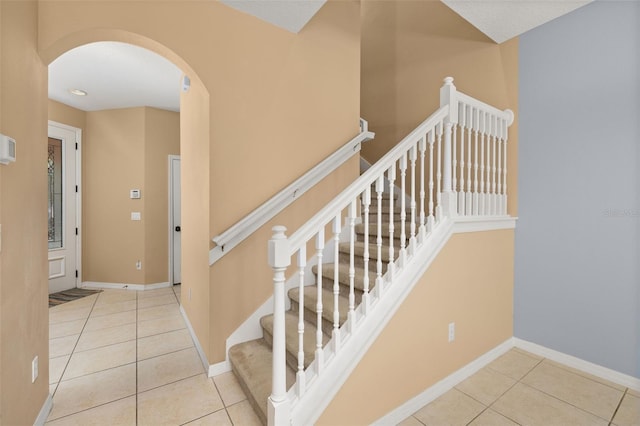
(62, 267)
(124, 286)
(483, 223)
(414, 404)
(219, 368)
(170, 217)
(579, 364)
(230, 238)
(44, 411)
(196, 342)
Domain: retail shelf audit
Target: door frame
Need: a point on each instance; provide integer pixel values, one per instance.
(170, 217)
(78, 194)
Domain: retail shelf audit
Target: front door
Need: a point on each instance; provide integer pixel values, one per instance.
(62, 206)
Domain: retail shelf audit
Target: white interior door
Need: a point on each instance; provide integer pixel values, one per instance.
(63, 227)
(174, 200)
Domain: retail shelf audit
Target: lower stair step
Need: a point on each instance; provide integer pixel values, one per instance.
(252, 363)
(291, 335)
(310, 302)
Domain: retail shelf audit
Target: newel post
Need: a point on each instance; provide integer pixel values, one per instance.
(279, 259)
(448, 98)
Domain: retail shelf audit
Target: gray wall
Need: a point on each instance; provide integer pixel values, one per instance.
(577, 274)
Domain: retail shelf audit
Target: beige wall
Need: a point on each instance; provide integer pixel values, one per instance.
(412, 352)
(23, 257)
(408, 47)
(126, 149)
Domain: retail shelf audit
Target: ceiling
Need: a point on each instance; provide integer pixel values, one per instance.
(119, 75)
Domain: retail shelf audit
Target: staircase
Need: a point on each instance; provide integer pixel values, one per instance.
(252, 361)
(384, 230)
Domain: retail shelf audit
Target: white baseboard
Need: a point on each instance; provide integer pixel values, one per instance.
(579, 364)
(219, 368)
(481, 223)
(196, 342)
(408, 408)
(124, 286)
(44, 411)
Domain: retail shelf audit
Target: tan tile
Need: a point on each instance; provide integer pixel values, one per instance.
(52, 388)
(113, 308)
(160, 344)
(75, 304)
(106, 336)
(111, 320)
(160, 311)
(56, 368)
(452, 408)
(486, 385)
(491, 418)
(575, 389)
(529, 354)
(629, 411)
(91, 361)
(410, 421)
(587, 375)
(242, 414)
(219, 418)
(145, 294)
(121, 412)
(178, 402)
(66, 328)
(161, 325)
(73, 396)
(159, 371)
(633, 392)
(229, 388)
(69, 315)
(115, 296)
(528, 406)
(514, 364)
(62, 345)
(165, 299)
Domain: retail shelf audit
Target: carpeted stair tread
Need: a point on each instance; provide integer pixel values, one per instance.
(343, 274)
(291, 333)
(252, 364)
(373, 229)
(311, 297)
(358, 249)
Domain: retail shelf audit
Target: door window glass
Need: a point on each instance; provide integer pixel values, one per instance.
(54, 189)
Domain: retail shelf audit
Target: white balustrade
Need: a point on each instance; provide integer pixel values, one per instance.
(461, 153)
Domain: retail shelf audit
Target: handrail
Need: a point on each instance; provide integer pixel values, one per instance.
(237, 233)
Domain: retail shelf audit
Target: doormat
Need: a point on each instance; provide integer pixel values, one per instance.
(61, 297)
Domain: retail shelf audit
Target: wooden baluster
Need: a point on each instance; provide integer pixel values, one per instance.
(319, 352)
(279, 260)
(391, 177)
(422, 145)
(335, 333)
(498, 202)
(504, 185)
(451, 130)
(467, 199)
(483, 124)
(487, 202)
(403, 210)
(462, 123)
(379, 190)
(413, 156)
(494, 139)
(352, 268)
(476, 128)
(366, 202)
(300, 376)
(439, 131)
(431, 218)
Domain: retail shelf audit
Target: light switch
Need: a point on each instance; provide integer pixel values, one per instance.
(135, 216)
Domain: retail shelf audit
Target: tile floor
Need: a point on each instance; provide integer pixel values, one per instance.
(125, 357)
(520, 388)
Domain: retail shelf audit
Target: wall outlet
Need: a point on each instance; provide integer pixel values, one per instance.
(34, 369)
(452, 332)
(139, 265)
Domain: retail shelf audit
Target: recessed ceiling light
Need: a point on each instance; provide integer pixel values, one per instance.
(77, 92)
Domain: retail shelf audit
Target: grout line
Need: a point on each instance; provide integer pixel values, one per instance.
(169, 383)
(136, 358)
(613, 416)
(166, 353)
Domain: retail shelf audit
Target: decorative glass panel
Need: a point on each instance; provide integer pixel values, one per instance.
(54, 173)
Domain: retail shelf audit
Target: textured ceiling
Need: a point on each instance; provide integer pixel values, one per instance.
(292, 15)
(502, 20)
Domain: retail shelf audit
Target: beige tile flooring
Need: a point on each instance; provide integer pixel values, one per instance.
(520, 388)
(125, 357)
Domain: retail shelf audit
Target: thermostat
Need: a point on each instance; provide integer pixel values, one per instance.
(134, 193)
(7, 149)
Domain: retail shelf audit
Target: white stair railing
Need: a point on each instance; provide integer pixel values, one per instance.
(457, 160)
